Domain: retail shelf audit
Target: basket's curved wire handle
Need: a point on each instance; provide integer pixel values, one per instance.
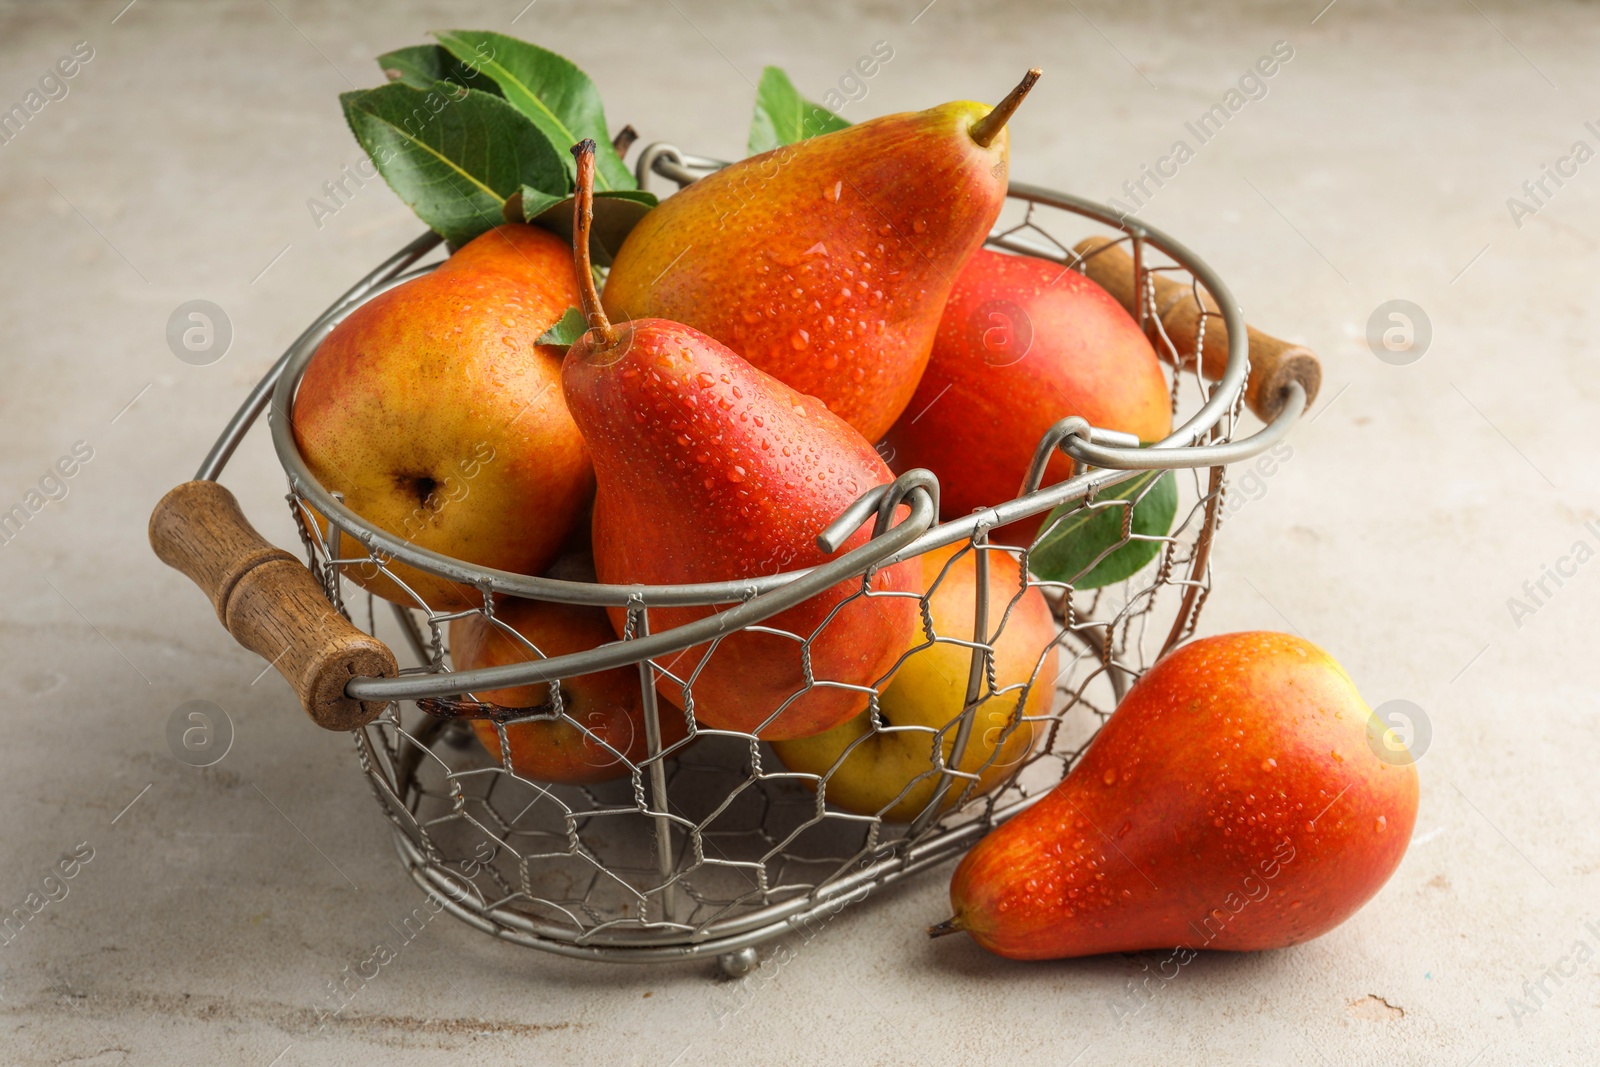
(1113, 450)
(673, 164)
(883, 500)
(907, 489)
(1073, 426)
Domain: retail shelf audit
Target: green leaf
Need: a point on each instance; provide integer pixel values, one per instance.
(453, 155)
(421, 66)
(529, 201)
(565, 333)
(550, 90)
(616, 213)
(1075, 536)
(783, 116)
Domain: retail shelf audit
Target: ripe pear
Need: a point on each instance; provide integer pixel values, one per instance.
(892, 771)
(434, 411)
(707, 469)
(533, 254)
(826, 263)
(1023, 344)
(1241, 797)
(607, 703)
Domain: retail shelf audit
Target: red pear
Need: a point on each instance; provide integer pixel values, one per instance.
(1236, 800)
(707, 469)
(826, 262)
(1023, 344)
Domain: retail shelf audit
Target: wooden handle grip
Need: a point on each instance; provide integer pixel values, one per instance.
(1273, 363)
(269, 602)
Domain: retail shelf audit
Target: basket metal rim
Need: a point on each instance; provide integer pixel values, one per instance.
(776, 591)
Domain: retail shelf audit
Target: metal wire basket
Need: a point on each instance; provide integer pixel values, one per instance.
(708, 846)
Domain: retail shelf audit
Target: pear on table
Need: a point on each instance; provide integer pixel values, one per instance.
(1241, 797)
(708, 469)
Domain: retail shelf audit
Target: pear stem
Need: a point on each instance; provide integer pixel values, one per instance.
(582, 219)
(624, 140)
(949, 926)
(986, 129)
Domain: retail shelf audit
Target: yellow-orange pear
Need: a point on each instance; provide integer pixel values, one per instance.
(892, 772)
(438, 416)
(826, 263)
(607, 703)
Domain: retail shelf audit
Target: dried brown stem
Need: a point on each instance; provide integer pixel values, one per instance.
(986, 129)
(582, 219)
(624, 140)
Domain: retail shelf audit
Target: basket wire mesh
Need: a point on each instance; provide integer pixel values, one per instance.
(709, 844)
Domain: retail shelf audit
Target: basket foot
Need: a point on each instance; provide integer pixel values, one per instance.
(738, 963)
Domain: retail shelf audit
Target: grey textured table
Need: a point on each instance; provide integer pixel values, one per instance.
(219, 904)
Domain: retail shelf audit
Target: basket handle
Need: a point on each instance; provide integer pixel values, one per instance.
(1273, 363)
(269, 602)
